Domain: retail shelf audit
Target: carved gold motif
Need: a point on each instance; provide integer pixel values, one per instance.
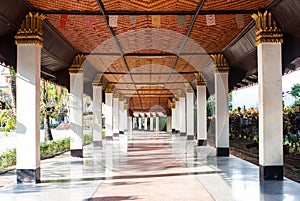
(200, 79)
(76, 66)
(31, 30)
(221, 65)
(189, 88)
(98, 81)
(267, 30)
(110, 88)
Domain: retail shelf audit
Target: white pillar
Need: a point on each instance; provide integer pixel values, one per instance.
(190, 112)
(174, 118)
(151, 123)
(126, 127)
(140, 123)
(28, 113)
(270, 99)
(178, 118)
(76, 112)
(145, 123)
(130, 126)
(182, 117)
(109, 113)
(157, 124)
(169, 124)
(97, 115)
(221, 94)
(116, 115)
(201, 111)
(121, 115)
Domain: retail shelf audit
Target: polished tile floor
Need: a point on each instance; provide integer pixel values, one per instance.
(149, 166)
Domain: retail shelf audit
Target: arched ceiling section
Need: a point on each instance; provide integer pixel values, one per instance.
(74, 26)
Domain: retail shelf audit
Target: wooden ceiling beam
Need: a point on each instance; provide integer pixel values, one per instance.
(106, 18)
(150, 73)
(127, 12)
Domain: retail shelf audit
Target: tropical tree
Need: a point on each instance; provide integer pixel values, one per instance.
(295, 92)
(53, 104)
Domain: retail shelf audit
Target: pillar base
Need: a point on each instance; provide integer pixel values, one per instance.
(109, 138)
(190, 137)
(97, 143)
(271, 172)
(28, 176)
(182, 134)
(77, 153)
(223, 151)
(202, 143)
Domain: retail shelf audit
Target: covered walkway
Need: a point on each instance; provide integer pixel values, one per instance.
(150, 166)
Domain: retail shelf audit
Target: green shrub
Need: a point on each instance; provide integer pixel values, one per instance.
(47, 149)
(8, 159)
(87, 139)
(52, 147)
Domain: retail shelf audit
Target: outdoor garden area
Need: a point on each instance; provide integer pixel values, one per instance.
(244, 134)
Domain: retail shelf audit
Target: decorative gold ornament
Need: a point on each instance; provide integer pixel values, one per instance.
(200, 81)
(98, 81)
(176, 97)
(181, 93)
(121, 97)
(126, 106)
(221, 65)
(189, 88)
(172, 105)
(267, 30)
(110, 88)
(31, 30)
(76, 66)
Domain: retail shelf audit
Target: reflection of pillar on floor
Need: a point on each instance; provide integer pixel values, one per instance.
(270, 97)
(189, 112)
(109, 112)
(116, 114)
(140, 123)
(97, 112)
(28, 104)
(201, 110)
(221, 94)
(157, 124)
(151, 124)
(145, 124)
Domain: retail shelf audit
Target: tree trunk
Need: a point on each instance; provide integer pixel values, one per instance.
(48, 134)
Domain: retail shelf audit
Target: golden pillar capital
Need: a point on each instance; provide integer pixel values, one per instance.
(98, 81)
(200, 81)
(110, 88)
(172, 105)
(267, 30)
(220, 62)
(31, 30)
(176, 97)
(121, 97)
(189, 88)
(181, 93)
(76, 66)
